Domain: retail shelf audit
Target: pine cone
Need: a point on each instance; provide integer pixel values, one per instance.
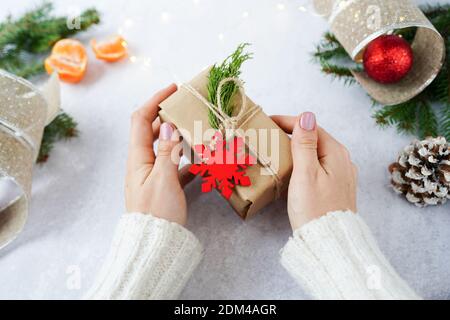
(422, 172)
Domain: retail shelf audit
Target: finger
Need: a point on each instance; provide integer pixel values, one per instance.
(141, 142)
(286, 123)
(155, 126)
(185, 176)
(150, 108)
(355, 172)
(326, 144)
(304, 143)
(168, 156)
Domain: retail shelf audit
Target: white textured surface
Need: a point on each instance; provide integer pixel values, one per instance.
(78, 194)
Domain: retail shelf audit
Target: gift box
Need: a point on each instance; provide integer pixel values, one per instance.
(187, 109)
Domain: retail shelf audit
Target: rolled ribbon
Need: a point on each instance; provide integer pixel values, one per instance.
(230, 125)
(24, 112)
(355, 23)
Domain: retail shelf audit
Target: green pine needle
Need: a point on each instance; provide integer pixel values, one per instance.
(338, 72)
(427, 121)
(24, 43)
(63, 127)
(445, 122)
(428, 114)
(37, 30)
(403, 115)
(229, 68)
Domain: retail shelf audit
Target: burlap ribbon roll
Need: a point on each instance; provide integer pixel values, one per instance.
(355, 23)
(24, 112)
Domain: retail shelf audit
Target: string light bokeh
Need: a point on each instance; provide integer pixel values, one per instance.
(302, 7)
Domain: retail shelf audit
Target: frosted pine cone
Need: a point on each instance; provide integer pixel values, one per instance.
(422, 172)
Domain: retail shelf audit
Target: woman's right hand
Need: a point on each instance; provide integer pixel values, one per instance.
(153, 183)
(324, 178)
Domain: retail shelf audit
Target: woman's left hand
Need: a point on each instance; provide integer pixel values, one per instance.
(153, 183)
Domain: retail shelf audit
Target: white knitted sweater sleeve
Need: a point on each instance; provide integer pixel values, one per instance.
(336, 257)
(150, 258)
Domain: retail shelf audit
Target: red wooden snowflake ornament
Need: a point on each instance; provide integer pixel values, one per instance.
(223, 166)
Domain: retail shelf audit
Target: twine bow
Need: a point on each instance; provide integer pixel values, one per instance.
(230, 125)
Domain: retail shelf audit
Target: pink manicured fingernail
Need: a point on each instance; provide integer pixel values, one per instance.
(308, 121)
(165, 132)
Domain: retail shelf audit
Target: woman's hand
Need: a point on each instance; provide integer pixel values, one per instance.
(153, 184)
(324, 178)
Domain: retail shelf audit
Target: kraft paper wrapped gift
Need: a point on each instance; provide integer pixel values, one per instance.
(184, 109)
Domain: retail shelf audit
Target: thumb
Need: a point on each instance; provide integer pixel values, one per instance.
(304, 142)
(168, 155)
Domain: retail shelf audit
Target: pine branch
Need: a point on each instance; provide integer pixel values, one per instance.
(229, 68)
(63, 127)
(331, 38)
(439, 89)
(36, 31)
(22, 67)
(439, 15)
(434, 11)
(327, 53)
(427, 121)
(444, 126)
(403, 116)
(338, 72)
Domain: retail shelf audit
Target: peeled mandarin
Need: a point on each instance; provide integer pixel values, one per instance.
(68, 59)
(112, 49)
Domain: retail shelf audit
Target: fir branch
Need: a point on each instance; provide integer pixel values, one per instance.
(433, 11)
(439, 15)
(36, 31)
(330, 48)
(331, 38)
(229, 68)
(63, 127)
(338, 72)
(444, 125)
(22, 67)
(326, 53)
(439, 89)
(403, 116)
(427, 121)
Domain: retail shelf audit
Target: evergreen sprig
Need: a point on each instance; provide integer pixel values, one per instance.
(229, 68)
(25, 41)
(427, 114)
(63, 127)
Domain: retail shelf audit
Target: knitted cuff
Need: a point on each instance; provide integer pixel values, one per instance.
(150, 258)
(336, 257)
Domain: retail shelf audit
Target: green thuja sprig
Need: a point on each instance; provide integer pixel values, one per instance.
(427, 114)
(24, 43)
(229, 68)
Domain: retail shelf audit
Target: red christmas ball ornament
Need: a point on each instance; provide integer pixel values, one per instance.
(388, 59)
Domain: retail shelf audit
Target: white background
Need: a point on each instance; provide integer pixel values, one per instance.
(78, 193)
